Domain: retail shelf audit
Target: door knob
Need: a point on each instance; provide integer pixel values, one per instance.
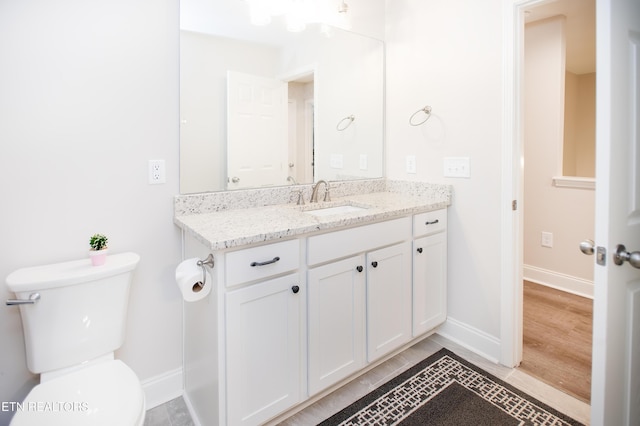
(586, 247)
(622, 254)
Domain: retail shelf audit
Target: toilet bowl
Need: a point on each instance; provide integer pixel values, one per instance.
(107, 393)
(72, 328)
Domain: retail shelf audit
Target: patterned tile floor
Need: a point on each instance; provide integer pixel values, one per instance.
(175, 413)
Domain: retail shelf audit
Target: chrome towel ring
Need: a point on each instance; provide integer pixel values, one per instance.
(426, 110)
(341, 126)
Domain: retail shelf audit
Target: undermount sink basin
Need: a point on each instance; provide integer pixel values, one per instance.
(334, 210)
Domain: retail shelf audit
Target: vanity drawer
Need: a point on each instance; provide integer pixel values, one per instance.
(334, 245)
(429, 223)
(261, 262)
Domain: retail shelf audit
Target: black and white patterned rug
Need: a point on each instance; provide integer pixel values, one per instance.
(446, 390)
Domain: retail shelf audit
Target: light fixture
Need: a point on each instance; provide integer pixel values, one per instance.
(343, 17)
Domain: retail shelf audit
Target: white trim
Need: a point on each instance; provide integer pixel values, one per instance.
(162, 388)
(574, 182)
(512, 181)
(559, 281)
(471, 338)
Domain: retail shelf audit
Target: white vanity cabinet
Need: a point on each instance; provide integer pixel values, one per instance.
(264, 331)
(244, 343)
(359, 307)
(286, 321)
(429, 271)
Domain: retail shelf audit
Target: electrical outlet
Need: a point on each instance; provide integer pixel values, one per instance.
(411, 163)
(546, 239)
(157, 172)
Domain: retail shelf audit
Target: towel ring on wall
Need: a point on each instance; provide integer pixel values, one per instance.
(426, 110)
(340, 126)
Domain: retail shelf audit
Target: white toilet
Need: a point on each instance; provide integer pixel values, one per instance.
(73, 318)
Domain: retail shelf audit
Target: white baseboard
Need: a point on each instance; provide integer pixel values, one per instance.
(192, 411)
(559, 281)
(162, 388)
(471, 338)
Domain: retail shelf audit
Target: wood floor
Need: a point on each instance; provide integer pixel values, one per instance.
(557, 339)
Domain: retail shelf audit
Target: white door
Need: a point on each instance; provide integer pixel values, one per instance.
(615, 395)
(257, 141)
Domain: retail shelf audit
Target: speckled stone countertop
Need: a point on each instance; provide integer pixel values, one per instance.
(236, 227)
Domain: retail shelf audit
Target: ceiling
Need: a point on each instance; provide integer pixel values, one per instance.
(580, 30)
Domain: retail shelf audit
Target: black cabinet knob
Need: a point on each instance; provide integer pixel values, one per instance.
(295, 289)
(359, 268)
(419, 250)
(374, 264)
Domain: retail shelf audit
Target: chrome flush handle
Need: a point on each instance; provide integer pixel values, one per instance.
(32, 300)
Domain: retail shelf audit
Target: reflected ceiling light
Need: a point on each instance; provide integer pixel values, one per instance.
(299, 13)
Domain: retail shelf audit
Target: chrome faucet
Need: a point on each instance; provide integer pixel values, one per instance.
(314, 193)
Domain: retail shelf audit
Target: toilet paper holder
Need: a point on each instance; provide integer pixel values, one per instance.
(206, 262)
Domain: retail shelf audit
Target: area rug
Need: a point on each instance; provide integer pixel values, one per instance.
(446, 390)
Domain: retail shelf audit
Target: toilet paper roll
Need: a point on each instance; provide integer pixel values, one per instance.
(193, 281)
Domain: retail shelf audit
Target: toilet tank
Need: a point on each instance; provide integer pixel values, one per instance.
(81, 313)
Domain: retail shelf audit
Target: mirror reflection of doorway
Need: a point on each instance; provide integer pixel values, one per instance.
(559, 208)
(301, 101)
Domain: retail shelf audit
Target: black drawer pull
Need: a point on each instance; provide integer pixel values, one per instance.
(295, 289)
(419, 249)
(374, 264)
(432, 223)
(359, 268)
(268, 262)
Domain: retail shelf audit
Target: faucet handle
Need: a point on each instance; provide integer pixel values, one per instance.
(327, 196)
(300, 198)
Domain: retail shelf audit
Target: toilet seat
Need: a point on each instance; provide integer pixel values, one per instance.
(108, 393)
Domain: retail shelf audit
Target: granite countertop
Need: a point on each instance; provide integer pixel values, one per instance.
(238, 227)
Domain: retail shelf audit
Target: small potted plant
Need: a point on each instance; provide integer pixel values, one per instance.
(98, 252)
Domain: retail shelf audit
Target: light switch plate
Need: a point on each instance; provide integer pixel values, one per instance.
(363, 161)
(336, 161)
(457, 167)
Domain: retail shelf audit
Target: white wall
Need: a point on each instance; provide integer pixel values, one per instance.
(447, 54)
(567, 213)
(89, 93)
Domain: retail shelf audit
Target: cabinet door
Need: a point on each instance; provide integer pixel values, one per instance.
(336, 323)
(263, 338)
(388, 299)
(429, 282)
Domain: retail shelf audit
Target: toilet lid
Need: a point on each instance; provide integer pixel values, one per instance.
(108, 393)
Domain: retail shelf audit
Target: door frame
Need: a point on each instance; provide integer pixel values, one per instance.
(512, 184)
(511, 274)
